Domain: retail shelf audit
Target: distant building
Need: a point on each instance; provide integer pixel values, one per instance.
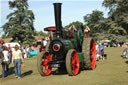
(6, 40)
(38, 38)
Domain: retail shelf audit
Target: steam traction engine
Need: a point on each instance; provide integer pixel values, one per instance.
(70, 50)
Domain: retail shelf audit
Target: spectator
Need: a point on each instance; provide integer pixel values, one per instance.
(5, 62)
(44, 42)
(124, 50)
(25, 53)
(17, 59)
(72, 28)
(1, 57)
(27, 49)
(86, 31)
(35, 47)
(9, 53)
(101, 50)
(1, 44)
(97, 47)
(97, 53)
(1, 54)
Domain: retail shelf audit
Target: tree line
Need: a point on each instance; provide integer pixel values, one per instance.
(115, 27)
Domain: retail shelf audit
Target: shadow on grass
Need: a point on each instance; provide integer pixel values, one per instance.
(126, 62)
(27, 73)
(59, 72)
(11, 71)
(63, 71)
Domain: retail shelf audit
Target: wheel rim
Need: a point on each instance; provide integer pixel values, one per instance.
(93, 54)
(45, 66)
(75, 63)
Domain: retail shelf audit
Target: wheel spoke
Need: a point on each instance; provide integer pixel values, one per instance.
(73, 68)
(72, 61)
(46, 69)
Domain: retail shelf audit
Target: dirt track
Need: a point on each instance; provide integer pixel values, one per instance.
(113, 71)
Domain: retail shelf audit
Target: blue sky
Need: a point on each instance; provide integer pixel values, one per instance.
(72, 10)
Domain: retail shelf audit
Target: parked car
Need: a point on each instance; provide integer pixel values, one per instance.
(12, 44)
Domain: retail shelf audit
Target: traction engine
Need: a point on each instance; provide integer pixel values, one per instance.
(68, 50)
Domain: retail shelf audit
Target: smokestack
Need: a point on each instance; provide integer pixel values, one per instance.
(57, 13)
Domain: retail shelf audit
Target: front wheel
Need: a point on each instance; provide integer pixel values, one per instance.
(42, 63)
(72, 62)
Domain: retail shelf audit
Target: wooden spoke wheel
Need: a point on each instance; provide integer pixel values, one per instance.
(72, 62)
(42, 63)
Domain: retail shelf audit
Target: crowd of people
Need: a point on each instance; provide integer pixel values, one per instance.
(26, 50)
(100, 55)
(7, 56)
(15, 55)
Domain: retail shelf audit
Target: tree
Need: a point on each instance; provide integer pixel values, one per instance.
(118, 14)
(96, 23)
(115, 26)
(76, 23)
(20, 22)
(40, 33)
(94, 17)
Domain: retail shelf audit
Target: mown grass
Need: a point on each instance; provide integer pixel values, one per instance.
(113, 71)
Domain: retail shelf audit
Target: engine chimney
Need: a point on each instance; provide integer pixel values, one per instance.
(57, 13)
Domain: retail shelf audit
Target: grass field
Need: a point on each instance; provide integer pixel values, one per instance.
(113, 71)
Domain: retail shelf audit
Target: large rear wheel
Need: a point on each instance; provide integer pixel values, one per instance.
(42, 63)
(89, 51)
(72, 62)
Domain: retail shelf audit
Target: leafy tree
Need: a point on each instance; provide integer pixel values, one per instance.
(115, 27)
(95, 21)
(118, 14)
(94, 17)
(20, 22)
(76, 23)
(40, 33)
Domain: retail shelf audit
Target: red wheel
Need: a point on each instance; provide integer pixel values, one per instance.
(42, 62)
(72, 62)
(88, 49)
(93, 54)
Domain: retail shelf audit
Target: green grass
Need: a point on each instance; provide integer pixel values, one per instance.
(113, 71)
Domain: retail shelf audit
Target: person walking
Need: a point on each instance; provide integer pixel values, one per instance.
(124, 50)
(5, 62)
(17, 60)
(1, 45)
(1, 54)
(9, 53)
